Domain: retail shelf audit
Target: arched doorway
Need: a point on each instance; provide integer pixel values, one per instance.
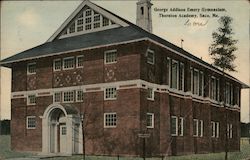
(61, 130)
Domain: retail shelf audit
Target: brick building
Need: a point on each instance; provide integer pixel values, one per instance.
(122, 80)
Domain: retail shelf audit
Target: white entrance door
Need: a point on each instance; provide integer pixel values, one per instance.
(63, 138)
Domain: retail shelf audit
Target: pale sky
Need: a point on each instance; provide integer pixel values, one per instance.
(26, 24)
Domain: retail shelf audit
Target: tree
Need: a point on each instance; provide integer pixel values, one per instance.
(222, 51)
(223, 47)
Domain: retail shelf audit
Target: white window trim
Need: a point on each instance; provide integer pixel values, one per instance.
(66, 59)
(110, 51)
(169, 71)
(182, 125)
(202, 84)
(68, 101)
(151, 51)
(77, 66)
(104, 124)
(213, 129)
(55, 65)
(109, 98)
(201, 127)
(176, 125)
(152, 114)
(28, 100)
(28, 73)
(153, 94)
(196, 134)
(27, 126)
(77, 95)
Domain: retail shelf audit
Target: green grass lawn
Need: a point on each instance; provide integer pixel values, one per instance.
(5, 151)
(244, 154)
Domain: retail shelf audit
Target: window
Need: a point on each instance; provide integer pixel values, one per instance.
(97, 17)
(64, 130)
(31, 68)
(195, 129)
(174, 126)
(31, 99)
(88, 12)
(198, 128)
(105, 21)
(88, 20)
(110, 56)
(237, 92)
(229, 131)
(181, 77)
(174, 74)
(79, 95)
(229, 93)
(31, 122)
(88, 27)
(215, 129)
(68, 96)
(214, 88)
(68, 63)
(150, 120)
(57, 65)
(150, 94)
(150, 57)
(72, 28)
(168, 70)
(97, 25)
(79, 61)
(180, 129)
(110, 120)
(57, 97)
(110, 93)
(201, 124)
(197, 82)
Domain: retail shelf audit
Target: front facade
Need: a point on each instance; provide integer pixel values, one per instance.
(130, 83)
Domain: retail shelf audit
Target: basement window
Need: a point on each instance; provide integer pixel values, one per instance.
(31, 68)
(31, 122)
(110, 120)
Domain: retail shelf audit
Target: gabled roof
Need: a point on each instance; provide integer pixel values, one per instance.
(127, 32)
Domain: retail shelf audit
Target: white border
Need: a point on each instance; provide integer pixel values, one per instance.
(153, 120)
(104, 120)
(27, 122)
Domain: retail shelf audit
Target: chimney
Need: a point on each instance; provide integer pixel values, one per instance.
(144, 17)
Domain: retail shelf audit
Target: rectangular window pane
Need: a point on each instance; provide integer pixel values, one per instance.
(31, 68)
(68, 63)
(181, 77)
(110, 119)
(150, 57)
(168, 71)
(79, 61)
(105, 21)
(110, 56)
(68, 96)
(72, 28)
(79, 97)
(201, 84)
(57, 65)
(174, 126)
(150, 120)
(180, 126)
(150, 93)
(195, 129)
(57, 97)
(110, 93)
(196, 82)
(31, 122)
(31, 99)
(174, 76)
